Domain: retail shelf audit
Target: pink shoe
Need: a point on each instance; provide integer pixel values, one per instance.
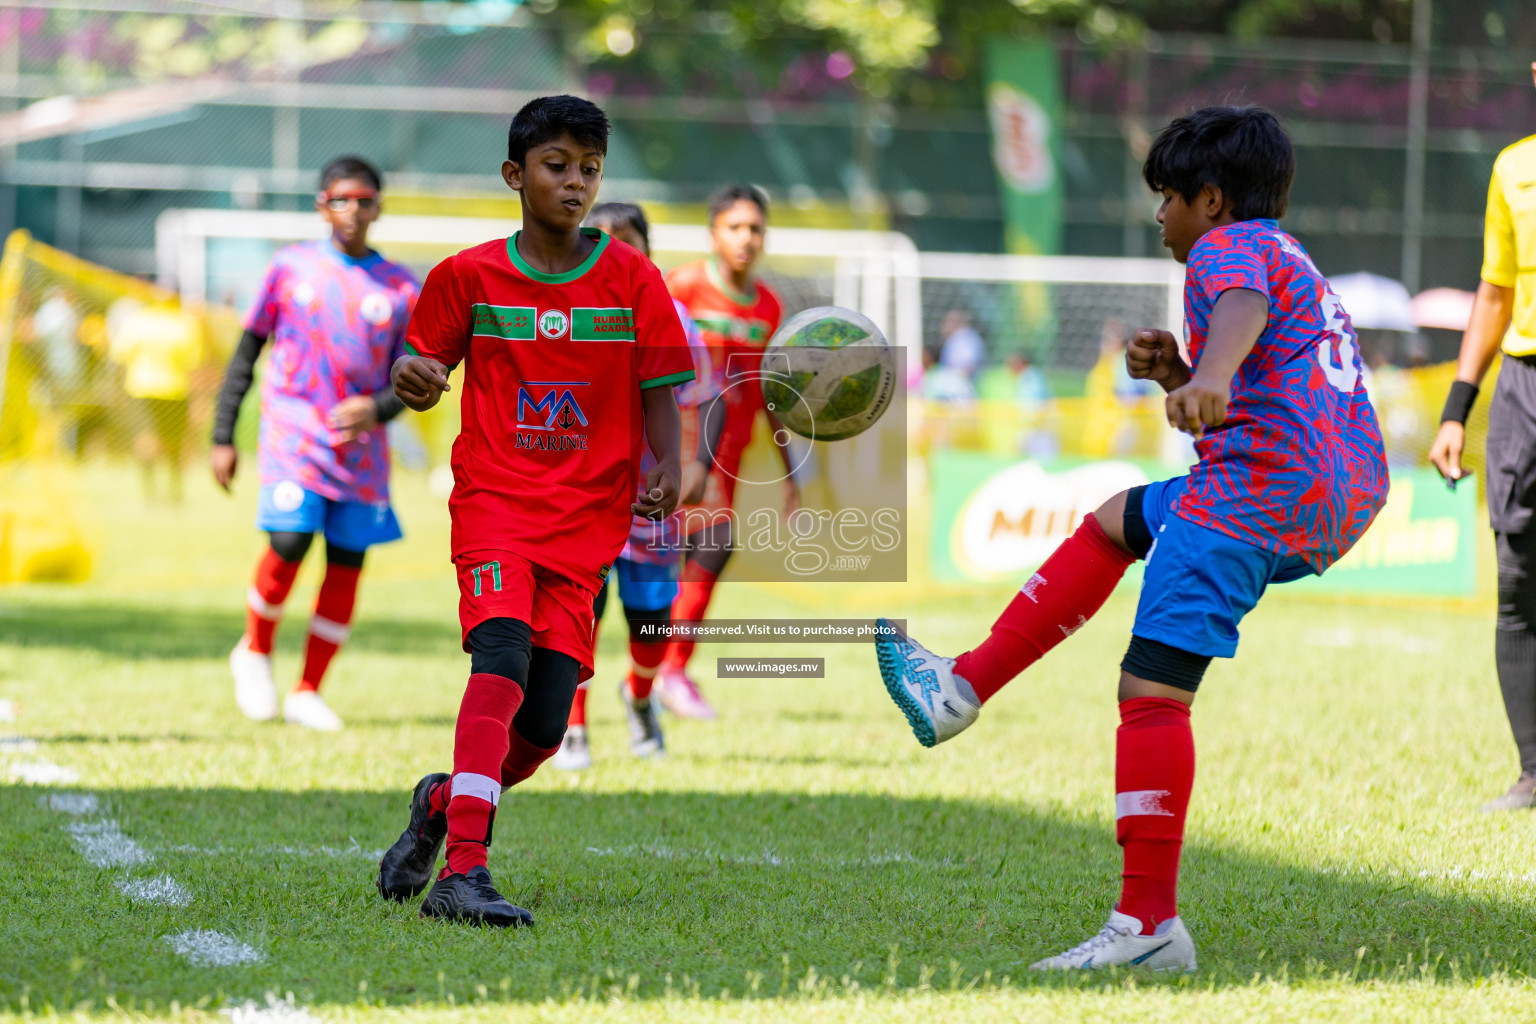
(680, 695)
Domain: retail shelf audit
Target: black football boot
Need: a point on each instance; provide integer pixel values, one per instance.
(406, 868)
(473, 898)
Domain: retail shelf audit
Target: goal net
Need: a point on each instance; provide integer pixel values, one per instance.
(98, 368)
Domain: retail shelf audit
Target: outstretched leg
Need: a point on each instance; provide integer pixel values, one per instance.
(942, 696)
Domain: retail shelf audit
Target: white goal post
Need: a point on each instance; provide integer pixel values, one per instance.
(879, 273)
(861, 268)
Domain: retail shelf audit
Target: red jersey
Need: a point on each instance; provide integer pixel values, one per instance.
(547, 460)
(729, 320)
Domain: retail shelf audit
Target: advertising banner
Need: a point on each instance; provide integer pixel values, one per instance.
(1024, 108)
(995, 519)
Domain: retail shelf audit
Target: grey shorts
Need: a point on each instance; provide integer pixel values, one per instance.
(1511, 459)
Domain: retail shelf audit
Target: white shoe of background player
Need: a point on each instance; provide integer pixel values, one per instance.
(309, 709)
(938, 704)
(254, 691)
(1121, 944)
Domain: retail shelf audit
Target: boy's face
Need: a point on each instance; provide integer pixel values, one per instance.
(558, 182)
(627, 234)
(737, 235)
(349, 206)
(1184, 221)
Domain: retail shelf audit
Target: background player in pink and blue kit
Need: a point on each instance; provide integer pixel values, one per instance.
(335, 312)
(1291, 473)
(649, 567)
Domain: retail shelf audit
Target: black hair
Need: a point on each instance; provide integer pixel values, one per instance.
(1241, 150)
(344, 167)
(547, 118)
(621, 215)
(727, 196)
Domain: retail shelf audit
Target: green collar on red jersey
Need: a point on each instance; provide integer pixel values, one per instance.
(712, 271)
(570, 275)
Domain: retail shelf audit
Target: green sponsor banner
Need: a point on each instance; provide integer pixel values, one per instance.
(594, 324)
(996, 519)
(514, 323)
(1024, 108)
(1424, 541)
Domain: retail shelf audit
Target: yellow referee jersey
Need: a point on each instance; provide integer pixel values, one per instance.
(1509, 240)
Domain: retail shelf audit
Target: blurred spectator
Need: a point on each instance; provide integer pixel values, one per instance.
(1112, 394)
(963, 350)
(945, 384)
(158, 346)
(1029, 387)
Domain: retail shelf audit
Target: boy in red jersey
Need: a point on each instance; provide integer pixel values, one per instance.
(571, 345)
(737, 315)
(1291, 473)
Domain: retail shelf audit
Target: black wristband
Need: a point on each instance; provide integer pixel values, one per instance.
(1458, 404)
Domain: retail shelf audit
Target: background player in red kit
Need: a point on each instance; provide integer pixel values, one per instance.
(737, 315)
(571, 346)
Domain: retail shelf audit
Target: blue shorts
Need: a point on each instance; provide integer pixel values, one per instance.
(1199, 582)
(350, 525)
(645, 586)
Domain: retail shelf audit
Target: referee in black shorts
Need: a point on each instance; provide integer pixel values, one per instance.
(1504, 317)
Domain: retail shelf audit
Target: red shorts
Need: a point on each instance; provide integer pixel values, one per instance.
(501, 585)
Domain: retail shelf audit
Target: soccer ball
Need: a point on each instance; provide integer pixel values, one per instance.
(828, 374)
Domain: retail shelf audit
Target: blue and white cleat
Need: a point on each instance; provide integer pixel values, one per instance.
(938, 704)
(1121, 944)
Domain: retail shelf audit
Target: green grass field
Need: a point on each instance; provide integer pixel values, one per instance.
(801, 858)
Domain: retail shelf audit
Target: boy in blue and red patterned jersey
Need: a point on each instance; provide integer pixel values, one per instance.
(335, 312)
(571, 347)
(648, 568)
(1291, 473)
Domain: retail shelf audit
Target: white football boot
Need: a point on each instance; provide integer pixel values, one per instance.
(1121, 944)
(938, 704)
(309, 709)
(255, 692)
(574, 754)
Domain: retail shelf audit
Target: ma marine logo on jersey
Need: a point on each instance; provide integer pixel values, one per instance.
(550, 409)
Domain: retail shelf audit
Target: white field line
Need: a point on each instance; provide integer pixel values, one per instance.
(44, 773)
(1397, 639)
(104, 845)
(162, 889)
(17, 745)
(355, 850)
(71, 803)
(767, 858)
(277, 1011)
(205, 948)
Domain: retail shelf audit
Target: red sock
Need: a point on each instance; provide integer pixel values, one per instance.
(579, 706)
(264, 600)
(523, 758)
(479, 746)
(692, 602)
(644, 659)
(1058, 600)
(1154, 773)
(331, 624)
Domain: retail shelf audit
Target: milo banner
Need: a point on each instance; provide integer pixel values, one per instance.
(996, 519)
(1024, 108)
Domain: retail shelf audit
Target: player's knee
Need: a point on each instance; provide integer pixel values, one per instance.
(1517, 584)
(647, 625)
(502, 647)
(546, 708)
(1150, 667)
(344, 557)
(1122, 522)
(291, 546)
